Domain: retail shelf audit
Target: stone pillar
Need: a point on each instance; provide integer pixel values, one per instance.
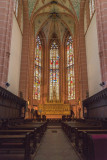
(101, 15)
(76, 66)
(82, 56)
(24, 74)
(31, 63)
(6, 19)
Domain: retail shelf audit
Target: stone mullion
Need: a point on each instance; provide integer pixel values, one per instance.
(46, 75)
(63, 73)
(101, 15)
(48, 70)
(66, 71)
(44, 65)
(6, 18)
(60, 73)
(42, 70)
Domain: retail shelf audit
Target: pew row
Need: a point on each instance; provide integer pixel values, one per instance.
(16, 139)
(12, 144)
(97, 147)
(78, 132)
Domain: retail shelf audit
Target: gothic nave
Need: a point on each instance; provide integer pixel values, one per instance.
(53, 79)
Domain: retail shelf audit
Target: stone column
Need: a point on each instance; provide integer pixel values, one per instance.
(24, 74)
(101, 15)
(6, 20)
(82, 56)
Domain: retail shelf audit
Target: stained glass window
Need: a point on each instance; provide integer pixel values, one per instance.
(37, 69)
(54, 72)
(85, 18)
(91, 7)
(16, 6)
(70, 69)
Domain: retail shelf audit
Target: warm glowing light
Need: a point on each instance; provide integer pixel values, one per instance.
(70, 69)
(54, 72)
(37, 69)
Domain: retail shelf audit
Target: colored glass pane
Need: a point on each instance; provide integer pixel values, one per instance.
(54, 72)
(37, 69)
(70, 69)
(91, 7)
(16, 6)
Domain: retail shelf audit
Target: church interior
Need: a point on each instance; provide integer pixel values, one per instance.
(53, 79)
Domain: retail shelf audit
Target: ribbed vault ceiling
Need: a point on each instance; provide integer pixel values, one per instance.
(54, 16)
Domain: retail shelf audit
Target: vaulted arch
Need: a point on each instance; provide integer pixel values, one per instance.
(56, 18)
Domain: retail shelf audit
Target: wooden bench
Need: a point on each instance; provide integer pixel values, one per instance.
(81, 138)
(70, 128)
(33, 135)
(79, 131)
(40, 129)
(10, 144)
(15, 138)
(97, 147)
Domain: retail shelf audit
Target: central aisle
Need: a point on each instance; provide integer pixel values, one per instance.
(55, 146)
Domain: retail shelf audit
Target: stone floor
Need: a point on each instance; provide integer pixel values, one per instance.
(56, 146)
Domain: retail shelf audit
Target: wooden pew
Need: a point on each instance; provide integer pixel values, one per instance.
(39, 128)
(12, 143)
(70, 128)
(78, 129)
(5, 123)
(81, 138)
(97, 147)
(33, 135)
(18, 132)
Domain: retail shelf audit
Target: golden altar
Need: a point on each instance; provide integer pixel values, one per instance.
(54, 109)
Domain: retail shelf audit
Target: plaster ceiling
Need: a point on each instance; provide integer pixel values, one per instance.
(56, 25)
(54, 17)
(72, 5)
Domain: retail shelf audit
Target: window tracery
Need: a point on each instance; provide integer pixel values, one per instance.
(18, 11)
(37, 69)
(16, 7)
(54, 72)
(89, 10)
(70, 69)
(91, 7)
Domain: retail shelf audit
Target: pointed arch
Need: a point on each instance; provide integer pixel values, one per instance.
(38, 66)
(70, 72)
(54, 70)
(37, 69)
